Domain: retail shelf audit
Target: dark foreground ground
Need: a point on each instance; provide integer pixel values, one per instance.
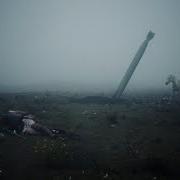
(137, 139)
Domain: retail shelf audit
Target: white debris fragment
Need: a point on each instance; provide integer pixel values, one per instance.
(106, 176)
(112, 125)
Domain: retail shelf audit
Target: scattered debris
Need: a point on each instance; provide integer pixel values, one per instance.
(112, 125)
(106, 176)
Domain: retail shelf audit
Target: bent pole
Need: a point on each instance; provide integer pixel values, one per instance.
(133, 65)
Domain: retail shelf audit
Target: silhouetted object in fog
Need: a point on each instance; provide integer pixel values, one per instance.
(175, 84)
(133, 66)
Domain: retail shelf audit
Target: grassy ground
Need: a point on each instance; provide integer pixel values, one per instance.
(119, 141)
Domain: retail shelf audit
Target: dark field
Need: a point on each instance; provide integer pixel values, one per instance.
(133, 139)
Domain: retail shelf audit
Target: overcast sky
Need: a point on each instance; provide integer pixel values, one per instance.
(88, 41)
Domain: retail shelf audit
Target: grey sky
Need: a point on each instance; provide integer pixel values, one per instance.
(92, 41)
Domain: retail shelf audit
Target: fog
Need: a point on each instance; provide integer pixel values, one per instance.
(87, 43)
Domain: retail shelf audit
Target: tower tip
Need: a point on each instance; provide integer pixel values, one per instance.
(150, 35)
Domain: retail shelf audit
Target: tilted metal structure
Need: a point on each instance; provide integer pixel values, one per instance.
(133, 65)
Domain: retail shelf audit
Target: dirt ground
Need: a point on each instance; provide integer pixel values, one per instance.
(128, 140)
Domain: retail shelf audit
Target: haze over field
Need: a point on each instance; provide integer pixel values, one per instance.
(82, 43)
